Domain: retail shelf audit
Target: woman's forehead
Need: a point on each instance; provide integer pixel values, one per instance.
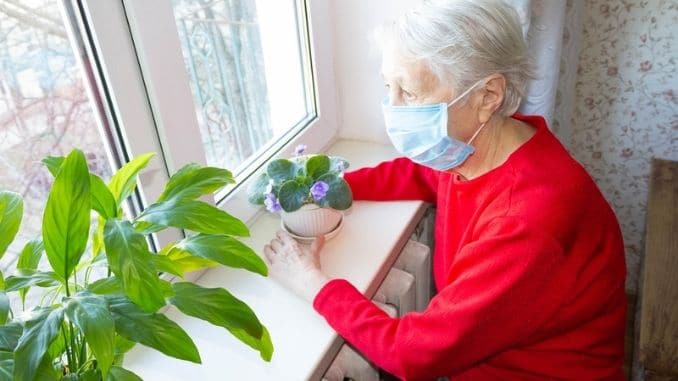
(396, 68)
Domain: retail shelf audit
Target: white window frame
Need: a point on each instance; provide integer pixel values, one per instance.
(149, 90)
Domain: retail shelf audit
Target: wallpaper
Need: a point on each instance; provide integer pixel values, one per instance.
(625, 106)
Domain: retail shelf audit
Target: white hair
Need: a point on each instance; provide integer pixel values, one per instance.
(464, 41)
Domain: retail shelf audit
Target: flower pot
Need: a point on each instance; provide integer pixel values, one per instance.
(311, 220)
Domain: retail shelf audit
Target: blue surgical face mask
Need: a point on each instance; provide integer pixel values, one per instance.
(420, 133)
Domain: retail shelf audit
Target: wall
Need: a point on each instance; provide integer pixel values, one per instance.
(626, 105)
(358, 65)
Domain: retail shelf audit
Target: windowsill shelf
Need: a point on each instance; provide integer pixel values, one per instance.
(363, 252)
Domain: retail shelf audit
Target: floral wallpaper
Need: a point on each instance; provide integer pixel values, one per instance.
(625, 105)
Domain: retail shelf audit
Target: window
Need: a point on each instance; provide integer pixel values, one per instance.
(218, 82)
(44, 108)
(247, 65)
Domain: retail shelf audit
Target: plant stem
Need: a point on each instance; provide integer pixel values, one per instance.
(69, 356)
(73, 347)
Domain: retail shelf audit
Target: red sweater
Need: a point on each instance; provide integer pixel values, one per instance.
(529, 267)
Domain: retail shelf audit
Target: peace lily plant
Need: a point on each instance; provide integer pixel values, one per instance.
(82, 326)
(312, 182)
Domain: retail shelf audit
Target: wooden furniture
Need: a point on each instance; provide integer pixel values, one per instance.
(657, 345)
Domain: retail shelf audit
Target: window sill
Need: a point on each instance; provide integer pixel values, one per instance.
(363, 252)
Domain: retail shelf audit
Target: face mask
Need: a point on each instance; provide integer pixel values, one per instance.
(420, 133)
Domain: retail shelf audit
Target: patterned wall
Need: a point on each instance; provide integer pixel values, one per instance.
(625, 108)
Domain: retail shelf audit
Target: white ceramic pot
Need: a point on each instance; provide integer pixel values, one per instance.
(311, 220)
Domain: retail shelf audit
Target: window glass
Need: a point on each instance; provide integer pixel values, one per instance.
(44, 109)
(248, 66)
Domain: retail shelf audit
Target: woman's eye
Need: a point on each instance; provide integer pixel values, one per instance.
(408, 96)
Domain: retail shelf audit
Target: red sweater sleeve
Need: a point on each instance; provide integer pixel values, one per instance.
(400, 179)
(501, 290)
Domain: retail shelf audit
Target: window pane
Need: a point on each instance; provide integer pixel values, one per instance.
(246, 60)
(44, 108)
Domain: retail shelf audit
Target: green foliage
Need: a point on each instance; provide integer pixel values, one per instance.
(82, 327)
(289, 182)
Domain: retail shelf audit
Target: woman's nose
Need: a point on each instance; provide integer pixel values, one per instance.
(395, 97)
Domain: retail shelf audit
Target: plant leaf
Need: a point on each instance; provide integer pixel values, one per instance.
(9, 336)
(152, 329)
(102, 198)
(317, 166)
(46, 371)
(217, 306)
(131, 261)
(121, 374)
(122, 346)
(193, 181)
(6, 366)
(262, 344)
(222, 249)
(187, 262)
(11, 211)
(40, 331)
(29, 260)
(339, 195)
(90, 314)
(65, 223)
(124, 180)
(166, 265)
(192, 215)
(257, 188)
(26, 278)
(53, 163)
(4, 307)
(292, 195)
(281, 170)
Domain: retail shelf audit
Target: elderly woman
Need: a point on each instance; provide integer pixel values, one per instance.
(528, 261)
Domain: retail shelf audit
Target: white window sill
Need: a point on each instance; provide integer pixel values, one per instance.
(363, 252)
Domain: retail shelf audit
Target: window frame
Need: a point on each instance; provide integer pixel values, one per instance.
(138, 47)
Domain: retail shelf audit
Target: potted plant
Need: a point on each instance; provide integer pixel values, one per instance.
(308, 190)
(84, 323)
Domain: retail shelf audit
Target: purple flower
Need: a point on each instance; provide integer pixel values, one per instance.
(300, 149)
(340, 166)
(269, 187)
(272, 203)
(319, 190)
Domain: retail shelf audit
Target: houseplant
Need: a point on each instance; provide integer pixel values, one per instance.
(82, 326)
(308, 190)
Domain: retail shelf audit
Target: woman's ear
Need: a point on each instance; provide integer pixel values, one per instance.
(492, 97)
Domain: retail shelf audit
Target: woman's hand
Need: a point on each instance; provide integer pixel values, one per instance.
(296, 266)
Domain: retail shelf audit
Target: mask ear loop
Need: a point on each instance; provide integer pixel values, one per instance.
(476, 133)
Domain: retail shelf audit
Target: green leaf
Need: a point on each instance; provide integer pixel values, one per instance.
(40, 331)
(222, 249)
(9, 336)
(90, 314)
(29, 260)
(102, 198)
(257, 188)
(124, 180)
(4, 307)
(339, 195)
(166, 265)
(193, 181)
(192, 215)
(65, 223)
(27, 278)
(216, 306)
(317, 166)
(262, 344)
(46, 371)
(131, 261)
(53, 163)
(122, 346)
(11, 211)
(152, 329)
(98, 238)
(292, 195)
(121, 374)
(6, 366)
(281, 170)
(106, 286)
(90, 375)
(187, 262)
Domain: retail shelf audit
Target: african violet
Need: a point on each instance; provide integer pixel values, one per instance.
(288, 184)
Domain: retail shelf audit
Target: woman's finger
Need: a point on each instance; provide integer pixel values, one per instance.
(276, 245)
(269, 253)
(285, 238)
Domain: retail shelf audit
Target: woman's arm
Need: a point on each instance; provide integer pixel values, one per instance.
(400, 179)
(501, 290)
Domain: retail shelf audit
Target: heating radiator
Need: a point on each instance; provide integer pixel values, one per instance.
(407, 287)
